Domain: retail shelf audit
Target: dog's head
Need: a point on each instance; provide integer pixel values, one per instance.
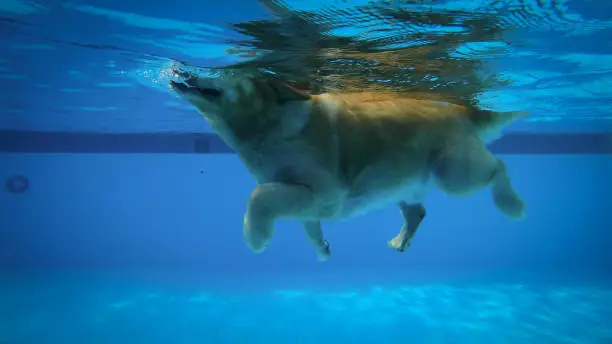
(236, 95)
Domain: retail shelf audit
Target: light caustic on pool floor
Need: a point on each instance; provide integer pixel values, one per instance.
(438, 313)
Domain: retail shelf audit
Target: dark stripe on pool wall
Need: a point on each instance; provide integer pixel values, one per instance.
(207, 143)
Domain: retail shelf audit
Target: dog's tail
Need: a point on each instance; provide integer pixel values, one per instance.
(490, 123)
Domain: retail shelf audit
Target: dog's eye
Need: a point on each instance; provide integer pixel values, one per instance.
(210, 92)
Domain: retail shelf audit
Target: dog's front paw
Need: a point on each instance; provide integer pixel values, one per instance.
(257, 234)
(324, 252)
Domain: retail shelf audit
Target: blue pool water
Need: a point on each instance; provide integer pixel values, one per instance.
(148, 249)
(128, 227)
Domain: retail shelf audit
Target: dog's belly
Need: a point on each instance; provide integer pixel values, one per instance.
(373, 196)
(379, 185)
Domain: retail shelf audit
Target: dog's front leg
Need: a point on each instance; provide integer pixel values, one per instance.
(271, 201)
(413, 215)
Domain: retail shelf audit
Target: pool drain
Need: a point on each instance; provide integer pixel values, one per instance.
(17, 184)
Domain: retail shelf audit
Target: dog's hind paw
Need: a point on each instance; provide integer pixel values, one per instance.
(324, 253)
(508, 201)
(511, 205)
(401, 241)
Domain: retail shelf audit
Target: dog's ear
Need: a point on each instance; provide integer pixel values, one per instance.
(280, 91)
(288, 93)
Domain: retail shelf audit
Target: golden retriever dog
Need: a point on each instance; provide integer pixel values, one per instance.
(337, 155)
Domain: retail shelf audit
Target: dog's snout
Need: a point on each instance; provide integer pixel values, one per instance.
(179, 86)
(210, 92)
(189, 86)
(191, 81)
(182, 74)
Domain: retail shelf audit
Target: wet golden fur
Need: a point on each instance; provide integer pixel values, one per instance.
(338, 155)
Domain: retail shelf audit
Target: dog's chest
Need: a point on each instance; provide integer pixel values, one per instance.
(284, 152)
(278, 159)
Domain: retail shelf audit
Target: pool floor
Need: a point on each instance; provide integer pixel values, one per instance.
(109, 310)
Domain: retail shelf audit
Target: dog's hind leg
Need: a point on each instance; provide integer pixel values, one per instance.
(314, 233)
(465, 165)
(271, 201)
(413, 215)
(504, 196)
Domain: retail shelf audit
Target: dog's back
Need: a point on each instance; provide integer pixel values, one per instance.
(384, 144)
